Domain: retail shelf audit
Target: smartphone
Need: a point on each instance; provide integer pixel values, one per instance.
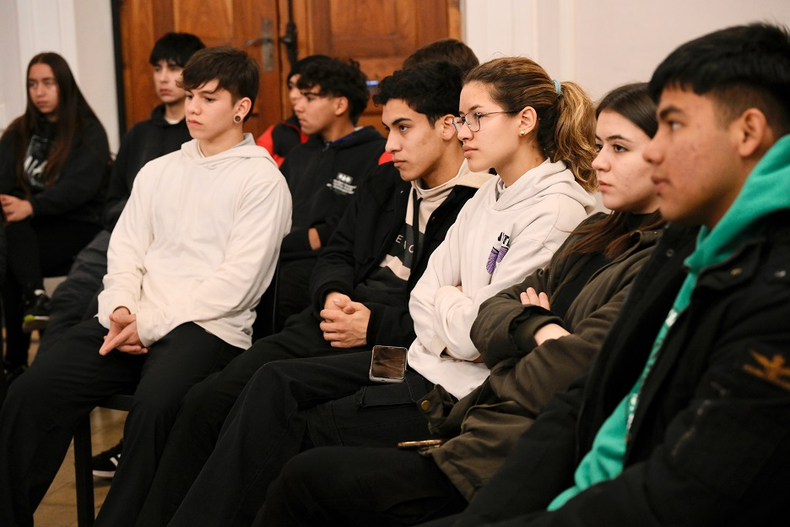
(388, 364)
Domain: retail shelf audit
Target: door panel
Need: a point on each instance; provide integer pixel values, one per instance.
(377, 33)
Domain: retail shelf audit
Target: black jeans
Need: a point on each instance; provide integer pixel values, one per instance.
(45, 403)
(291, 406)
(207, 404)
(370, 486)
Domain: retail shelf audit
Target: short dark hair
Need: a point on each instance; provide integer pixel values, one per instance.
(338, 78)
(297, 67)
(429, 88)
(175, 48)
(740, 67)
(233, 69)
(448, 50)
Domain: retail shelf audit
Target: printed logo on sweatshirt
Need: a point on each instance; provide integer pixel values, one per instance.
(498, 252)
(343, 184)
(772, 370)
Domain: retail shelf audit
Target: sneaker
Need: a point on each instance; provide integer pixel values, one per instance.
(105, 464)
(36, 312)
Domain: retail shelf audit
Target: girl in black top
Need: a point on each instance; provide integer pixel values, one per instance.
(53, 165)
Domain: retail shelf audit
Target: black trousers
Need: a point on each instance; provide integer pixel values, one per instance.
(208, 403)
(37, 248)
(370, 486)
(45, 403)
(291, 406)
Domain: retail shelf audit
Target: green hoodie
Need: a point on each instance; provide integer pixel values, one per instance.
(766, 190)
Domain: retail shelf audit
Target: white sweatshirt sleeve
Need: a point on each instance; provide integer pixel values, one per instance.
(129, 243)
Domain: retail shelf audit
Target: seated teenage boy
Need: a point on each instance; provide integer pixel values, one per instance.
(685, 417)
(74, 300)
(190, 255)
(363, 278)
(280, 138)
(324, 172)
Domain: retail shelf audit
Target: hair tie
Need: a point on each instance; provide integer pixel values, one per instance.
(557, 87)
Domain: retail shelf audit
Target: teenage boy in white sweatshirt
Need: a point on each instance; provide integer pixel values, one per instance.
(193, 250)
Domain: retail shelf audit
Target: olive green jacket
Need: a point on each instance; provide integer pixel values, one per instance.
(484, 425)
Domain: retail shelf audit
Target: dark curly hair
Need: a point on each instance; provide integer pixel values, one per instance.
(338, 78)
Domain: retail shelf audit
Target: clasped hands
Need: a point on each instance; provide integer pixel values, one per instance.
(344, 322)
(123, 334)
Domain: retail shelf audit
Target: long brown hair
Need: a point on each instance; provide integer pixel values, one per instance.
(71, 115)
(612, 236)
(566, 126)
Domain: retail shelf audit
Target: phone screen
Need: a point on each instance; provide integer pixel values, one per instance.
(388, 363)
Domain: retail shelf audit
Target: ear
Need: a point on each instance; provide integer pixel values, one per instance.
(445, 127)
(529, 120)
(341, 105)
(753, 134)
(242, 107)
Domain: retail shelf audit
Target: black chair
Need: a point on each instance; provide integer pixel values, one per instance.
(82, 459)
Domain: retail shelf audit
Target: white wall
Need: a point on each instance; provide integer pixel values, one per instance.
(81, 31)
(602, 43)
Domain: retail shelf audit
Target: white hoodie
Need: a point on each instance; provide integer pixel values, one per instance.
(198, 241)
(511, 236)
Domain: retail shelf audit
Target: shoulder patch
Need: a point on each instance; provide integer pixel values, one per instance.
(772, 370)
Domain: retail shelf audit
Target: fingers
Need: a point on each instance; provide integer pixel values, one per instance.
(530, 297)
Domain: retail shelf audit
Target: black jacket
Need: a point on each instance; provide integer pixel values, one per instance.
(143, 142)
(364, 237)
(710, 440)
(322, 178)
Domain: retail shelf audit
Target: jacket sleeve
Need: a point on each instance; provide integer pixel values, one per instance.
(503, 316)
(81, 177)
(724, 458)
(550, 367)
(335, 269)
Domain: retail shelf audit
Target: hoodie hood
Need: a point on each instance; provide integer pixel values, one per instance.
(544, 181)
(246, 149)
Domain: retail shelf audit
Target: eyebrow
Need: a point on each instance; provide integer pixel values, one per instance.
(400, 120)
(615, 137)
(203, 91)
(472, 109)
(663, 113)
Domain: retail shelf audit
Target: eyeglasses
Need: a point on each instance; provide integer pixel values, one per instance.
(472, 120)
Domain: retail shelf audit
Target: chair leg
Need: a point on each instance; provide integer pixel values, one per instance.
(83, 473)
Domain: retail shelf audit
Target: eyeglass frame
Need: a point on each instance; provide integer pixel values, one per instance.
(458, 122)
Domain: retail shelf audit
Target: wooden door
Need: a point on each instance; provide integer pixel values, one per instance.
(217, 23)
(377, 33)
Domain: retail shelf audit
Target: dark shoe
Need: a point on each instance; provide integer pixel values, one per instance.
(36, 312)
(105, 464)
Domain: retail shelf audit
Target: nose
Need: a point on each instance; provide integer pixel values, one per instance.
(392, 144)
(191, 105)
(653, 152)
(463, 132)
(600, 163)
